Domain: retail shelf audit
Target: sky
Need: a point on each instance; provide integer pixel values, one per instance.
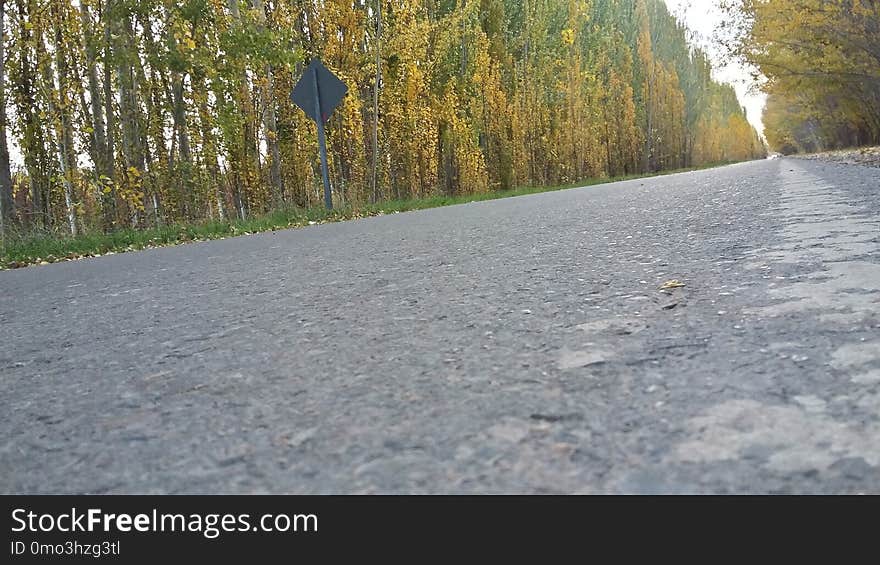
(703, 17)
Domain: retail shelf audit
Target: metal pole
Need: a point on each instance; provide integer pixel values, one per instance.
(322, 143)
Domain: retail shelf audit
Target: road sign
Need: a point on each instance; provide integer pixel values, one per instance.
(331, 89)
(319, 92)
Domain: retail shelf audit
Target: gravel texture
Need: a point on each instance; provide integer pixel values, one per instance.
(513, 346)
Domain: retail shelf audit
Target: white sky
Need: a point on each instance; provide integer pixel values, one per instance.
(703, 17)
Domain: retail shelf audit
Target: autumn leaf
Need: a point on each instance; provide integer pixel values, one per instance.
(672, 284)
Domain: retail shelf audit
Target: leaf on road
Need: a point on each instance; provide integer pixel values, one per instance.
(669, 285)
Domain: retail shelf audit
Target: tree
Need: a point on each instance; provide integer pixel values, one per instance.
(6, 202)
(821, 60)
(138, 113)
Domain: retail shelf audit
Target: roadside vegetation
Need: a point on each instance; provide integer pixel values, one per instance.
(820, 66)
(120, 115)
(24, 249)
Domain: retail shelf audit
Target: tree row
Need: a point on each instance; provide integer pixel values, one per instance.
(133, 113)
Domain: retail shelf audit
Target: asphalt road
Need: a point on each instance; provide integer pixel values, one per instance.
(514, 346)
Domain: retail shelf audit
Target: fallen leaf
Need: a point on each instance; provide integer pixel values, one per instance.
(668, 285)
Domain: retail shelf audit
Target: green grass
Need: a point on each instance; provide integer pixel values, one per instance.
(20, 250)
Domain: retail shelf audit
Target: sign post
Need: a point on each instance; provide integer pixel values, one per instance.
(322, 142)
(318, 93)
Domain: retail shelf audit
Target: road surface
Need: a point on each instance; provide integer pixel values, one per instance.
(514, 346)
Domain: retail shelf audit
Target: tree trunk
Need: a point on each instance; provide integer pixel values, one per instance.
(272, 138)
(180, 122)
(110, 217)
(248, 156)
(60, 115)
(374, 174)
(129, 109)
(6, 201)
(110, 146)
(209, 143)
(98, 124)
(269, 120)
(32, 142)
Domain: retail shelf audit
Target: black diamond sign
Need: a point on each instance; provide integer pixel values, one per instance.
(329, 89)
